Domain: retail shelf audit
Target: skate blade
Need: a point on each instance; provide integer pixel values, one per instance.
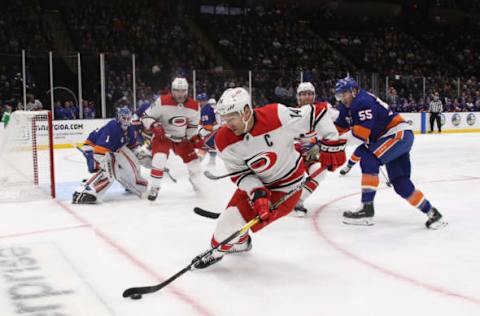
(438, 225)
(231, 252)
(359, 221)
(300, 214)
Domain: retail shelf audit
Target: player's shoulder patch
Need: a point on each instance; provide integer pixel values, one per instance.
(166, 99)
(112, 124)
(266, 119)
(360, 103)
(320, 108)
(192, 104)
(225, 137)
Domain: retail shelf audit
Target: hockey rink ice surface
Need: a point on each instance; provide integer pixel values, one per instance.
(62, 259)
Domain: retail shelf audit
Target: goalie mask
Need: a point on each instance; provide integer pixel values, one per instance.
(124, 117)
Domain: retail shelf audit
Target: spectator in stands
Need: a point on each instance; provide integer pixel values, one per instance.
(70, 110)
(59, 111)
(88, 110)
(33, 104)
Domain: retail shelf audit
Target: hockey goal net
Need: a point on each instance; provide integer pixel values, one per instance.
(26, 157)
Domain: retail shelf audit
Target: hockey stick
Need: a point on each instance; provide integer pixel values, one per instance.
(209, 214)
(211, 176)
(203, 212)
(389, 184)
(167, 171)
(80, 150)
(136, 292)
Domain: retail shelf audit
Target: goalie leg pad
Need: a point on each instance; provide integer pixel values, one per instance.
(127, 172)
(84, 198)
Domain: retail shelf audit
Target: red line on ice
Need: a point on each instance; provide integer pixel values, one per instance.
(182, 296)
(379, 268)
(43, 231)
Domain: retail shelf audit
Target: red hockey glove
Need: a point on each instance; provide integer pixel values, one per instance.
(197, 142)
(332, 153)
(261, 203)
(158, 131)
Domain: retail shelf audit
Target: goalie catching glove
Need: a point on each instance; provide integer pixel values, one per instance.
(332, 153)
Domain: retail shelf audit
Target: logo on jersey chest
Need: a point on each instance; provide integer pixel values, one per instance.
(262, 161)
(178, 121)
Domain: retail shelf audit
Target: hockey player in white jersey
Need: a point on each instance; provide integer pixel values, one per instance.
(257, 148)
(309, 147)
(172, 121)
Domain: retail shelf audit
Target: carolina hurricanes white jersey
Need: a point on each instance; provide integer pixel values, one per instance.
(179, 121)
(266, 155)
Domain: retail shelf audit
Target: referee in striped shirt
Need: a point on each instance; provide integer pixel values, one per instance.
(435, 109)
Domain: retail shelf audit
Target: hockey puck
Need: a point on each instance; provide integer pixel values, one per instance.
(136, 296)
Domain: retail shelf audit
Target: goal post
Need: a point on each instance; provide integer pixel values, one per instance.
(27, 168)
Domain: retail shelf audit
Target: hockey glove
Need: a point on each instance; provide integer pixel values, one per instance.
(261, 203)
(158, 131)
(332, 153)
(312, 154)
(308, 147)
(197, 142)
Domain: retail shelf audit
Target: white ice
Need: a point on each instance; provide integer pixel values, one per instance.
(82, 257)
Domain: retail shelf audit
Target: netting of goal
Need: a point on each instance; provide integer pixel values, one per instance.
(26, 157)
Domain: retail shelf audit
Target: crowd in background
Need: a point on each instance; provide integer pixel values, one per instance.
(277, 45)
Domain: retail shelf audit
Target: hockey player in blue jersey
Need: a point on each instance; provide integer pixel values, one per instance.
(209, 124)
(387, 140)
(109, 154)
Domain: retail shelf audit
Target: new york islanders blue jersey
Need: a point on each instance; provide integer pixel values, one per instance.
(111, 138)
(368, 117)
(143, 107)
(207, 117)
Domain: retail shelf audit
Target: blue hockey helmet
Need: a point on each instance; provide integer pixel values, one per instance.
(124, 117)
(345, 84)
(202, 97)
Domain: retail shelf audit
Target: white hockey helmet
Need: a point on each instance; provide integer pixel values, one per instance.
(180, 89)
(234, 100)
(179, 84)
(303, 87)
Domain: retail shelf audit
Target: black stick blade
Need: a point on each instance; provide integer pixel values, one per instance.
(205, 213)
(154, 288)
(211, 176)
(143, 289)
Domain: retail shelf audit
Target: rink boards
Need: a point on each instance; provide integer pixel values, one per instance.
(70, 133)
